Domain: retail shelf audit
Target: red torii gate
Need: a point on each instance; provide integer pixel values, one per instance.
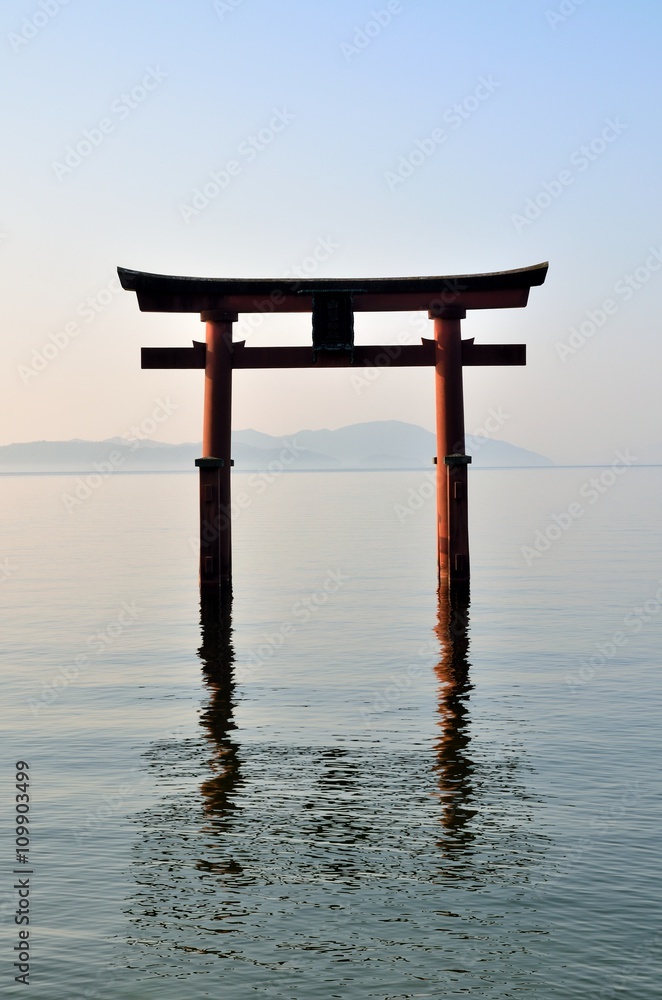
(332, 303)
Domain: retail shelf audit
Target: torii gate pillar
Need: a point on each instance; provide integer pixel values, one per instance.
(216, 461)
(332, 303)
(452, 461)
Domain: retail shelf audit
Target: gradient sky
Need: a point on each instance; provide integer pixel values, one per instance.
(356, 96)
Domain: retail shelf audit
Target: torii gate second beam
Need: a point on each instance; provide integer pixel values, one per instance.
(332, 303)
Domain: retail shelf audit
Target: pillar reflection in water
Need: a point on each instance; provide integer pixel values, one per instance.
(217, 655)
(453, 766)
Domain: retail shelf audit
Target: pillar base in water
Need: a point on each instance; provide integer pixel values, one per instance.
(215, 556)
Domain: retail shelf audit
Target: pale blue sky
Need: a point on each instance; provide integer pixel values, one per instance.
(218, 77)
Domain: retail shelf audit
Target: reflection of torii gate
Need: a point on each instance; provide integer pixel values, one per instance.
(333, 304)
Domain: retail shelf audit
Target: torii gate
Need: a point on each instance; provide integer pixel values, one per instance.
(332, 303)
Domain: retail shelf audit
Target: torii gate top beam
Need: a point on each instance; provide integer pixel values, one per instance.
(437, 295)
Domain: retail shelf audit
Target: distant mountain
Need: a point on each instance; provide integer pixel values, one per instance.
(381, 444)
(490, 454)
(85, 456)
(389, 444)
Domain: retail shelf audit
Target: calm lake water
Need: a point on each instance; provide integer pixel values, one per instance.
(343, 787)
